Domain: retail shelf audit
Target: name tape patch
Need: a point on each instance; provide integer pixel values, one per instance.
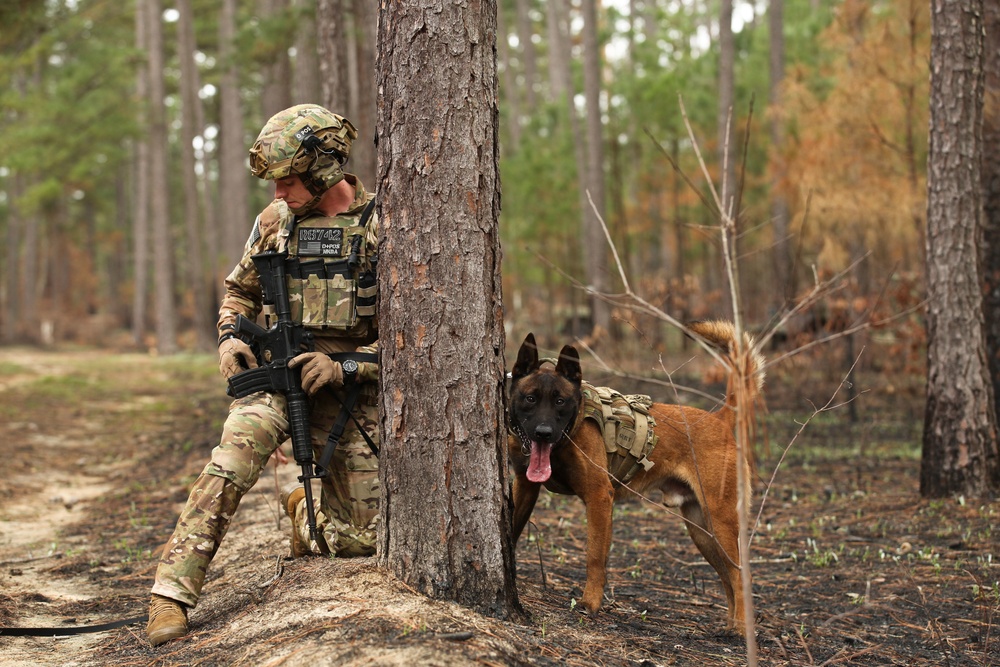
(320, 242)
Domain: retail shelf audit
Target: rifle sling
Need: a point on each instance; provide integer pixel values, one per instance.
(346, 406)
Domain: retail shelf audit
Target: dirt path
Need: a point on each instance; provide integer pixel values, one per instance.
(850, 565)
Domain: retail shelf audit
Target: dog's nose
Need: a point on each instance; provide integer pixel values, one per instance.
(543, 432)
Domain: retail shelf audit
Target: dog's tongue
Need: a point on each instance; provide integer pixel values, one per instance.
(539, 467)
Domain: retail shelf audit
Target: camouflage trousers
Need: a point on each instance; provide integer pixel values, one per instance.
(257, 425)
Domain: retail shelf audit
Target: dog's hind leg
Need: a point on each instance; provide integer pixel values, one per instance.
(525, 497)
(721, 550)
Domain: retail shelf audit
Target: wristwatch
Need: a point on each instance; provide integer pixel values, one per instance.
(350, 367)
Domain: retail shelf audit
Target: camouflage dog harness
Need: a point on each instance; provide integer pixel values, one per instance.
(628, 429)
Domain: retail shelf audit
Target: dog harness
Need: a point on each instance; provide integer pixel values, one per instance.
(628, 429)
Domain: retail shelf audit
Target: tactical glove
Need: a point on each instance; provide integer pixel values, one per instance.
(318, 370)
(235, 356)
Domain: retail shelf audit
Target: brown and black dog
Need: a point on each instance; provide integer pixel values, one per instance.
(694, 462)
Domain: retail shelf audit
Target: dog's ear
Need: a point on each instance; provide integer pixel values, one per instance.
(527, 358)
(569, 365)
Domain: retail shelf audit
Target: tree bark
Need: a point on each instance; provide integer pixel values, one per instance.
(960, 453)
(445, 521)
(991, 193)
(201, 320)
(163, 245)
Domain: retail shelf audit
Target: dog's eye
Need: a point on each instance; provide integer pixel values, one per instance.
(529, 399)
(560, 401)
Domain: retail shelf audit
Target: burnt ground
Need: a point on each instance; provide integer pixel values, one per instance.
(850, 565)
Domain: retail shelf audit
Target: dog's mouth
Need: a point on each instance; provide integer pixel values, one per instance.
(539, 463)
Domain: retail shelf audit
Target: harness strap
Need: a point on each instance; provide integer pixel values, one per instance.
(332, 440)
(73, 630)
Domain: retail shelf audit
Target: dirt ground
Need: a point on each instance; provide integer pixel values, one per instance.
(850, 565)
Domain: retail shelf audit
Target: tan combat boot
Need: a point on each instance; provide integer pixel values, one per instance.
(291, 496)
(167, 620)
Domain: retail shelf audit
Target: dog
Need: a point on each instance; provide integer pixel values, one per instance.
(694, 461)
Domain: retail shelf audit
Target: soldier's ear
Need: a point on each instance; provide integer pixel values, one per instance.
(527, 358)
(569, 365)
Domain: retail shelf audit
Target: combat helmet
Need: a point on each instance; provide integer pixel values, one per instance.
(307, 140)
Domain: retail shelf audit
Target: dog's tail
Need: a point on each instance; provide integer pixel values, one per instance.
(746, 376)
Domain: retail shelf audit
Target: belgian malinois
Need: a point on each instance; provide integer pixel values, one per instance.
(694, 461)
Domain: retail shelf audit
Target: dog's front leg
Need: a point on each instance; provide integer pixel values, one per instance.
(599, 508)
(525, 496)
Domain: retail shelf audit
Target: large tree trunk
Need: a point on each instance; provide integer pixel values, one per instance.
(991, 193)
(163, 245)
(596, 248)
(201, 320)
(445, 526)
(234, 188)
(960, 453)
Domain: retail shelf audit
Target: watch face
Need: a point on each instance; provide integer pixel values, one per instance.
(350, 366)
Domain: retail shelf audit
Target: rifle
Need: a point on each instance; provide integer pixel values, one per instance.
(277, 346)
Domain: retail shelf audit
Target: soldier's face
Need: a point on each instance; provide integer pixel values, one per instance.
(292, 191)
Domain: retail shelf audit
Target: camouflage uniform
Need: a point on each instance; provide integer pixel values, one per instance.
(257, 425)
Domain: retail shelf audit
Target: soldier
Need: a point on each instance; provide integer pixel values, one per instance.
(323, 218)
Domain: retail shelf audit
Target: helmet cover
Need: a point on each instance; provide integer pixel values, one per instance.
(307, 140)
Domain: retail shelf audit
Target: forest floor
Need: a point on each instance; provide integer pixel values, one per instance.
(850, 565)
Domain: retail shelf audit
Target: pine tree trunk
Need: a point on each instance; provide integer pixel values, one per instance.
(305, 73)
(331, 44)
(596, 245)
(140, 205)
(234, 188)
(275, 93)
(727, 185)
(163, 245)
(960, 453)
(11, 318)
(525, 30)
(201, 320)
(363, 154)
(784, 282)
(510, 91)
(445, 515)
